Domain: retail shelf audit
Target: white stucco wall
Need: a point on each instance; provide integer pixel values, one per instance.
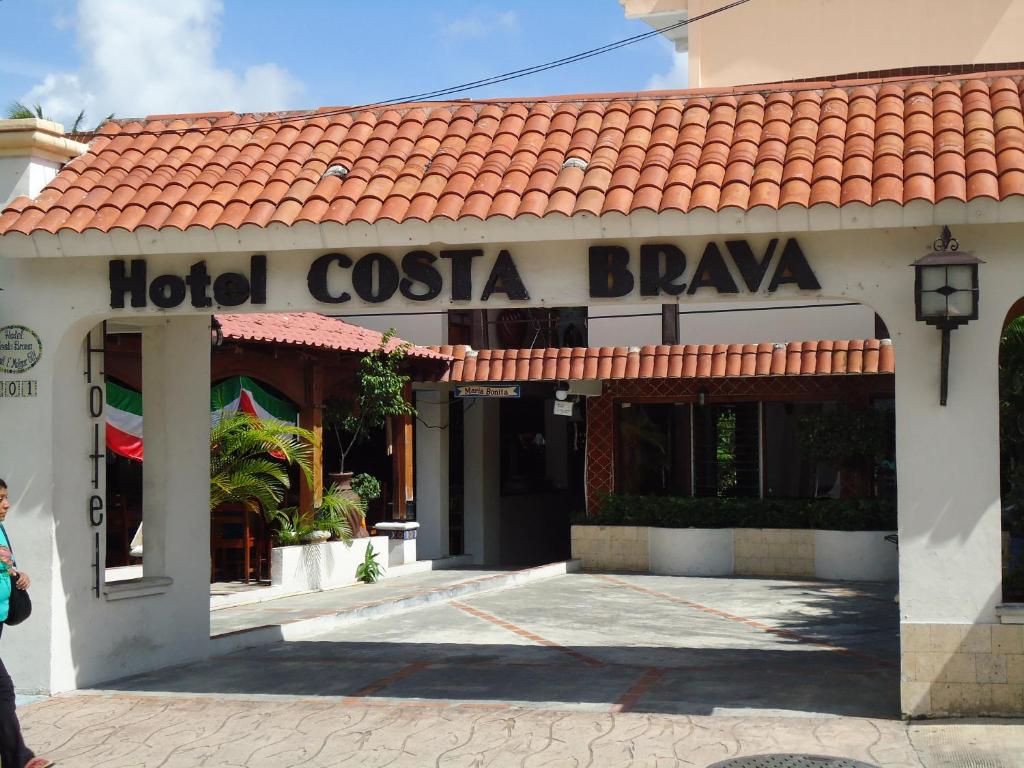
(623, 325)
(431, 468)
(24, 175)
(427, 329)
(948, 457)
(723, 323)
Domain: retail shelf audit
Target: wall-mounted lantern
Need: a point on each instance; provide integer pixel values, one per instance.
(946, 293)
(216, 334)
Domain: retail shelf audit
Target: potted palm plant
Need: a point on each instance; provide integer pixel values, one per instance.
(379, 395)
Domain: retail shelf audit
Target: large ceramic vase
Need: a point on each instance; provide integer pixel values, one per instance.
(357, 523)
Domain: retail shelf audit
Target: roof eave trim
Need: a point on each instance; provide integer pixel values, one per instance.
(643, 223)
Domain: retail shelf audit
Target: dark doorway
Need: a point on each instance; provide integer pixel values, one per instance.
(542, 476)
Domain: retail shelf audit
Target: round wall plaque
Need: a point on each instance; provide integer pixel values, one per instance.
(20, 349)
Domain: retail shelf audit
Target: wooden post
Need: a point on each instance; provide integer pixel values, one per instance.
(669, 323)
(401, 433)
(312, 417)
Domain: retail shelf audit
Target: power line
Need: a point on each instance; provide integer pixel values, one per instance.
(468, 86)
(606, 317)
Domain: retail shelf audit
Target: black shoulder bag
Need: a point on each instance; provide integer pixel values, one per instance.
(19, 607)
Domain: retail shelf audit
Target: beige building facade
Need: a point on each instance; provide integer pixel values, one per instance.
(769, 41)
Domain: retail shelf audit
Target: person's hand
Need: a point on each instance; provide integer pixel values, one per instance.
(22, 581)
(5, 556)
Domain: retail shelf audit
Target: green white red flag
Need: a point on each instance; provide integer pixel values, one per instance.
(124, 411)
(124, 421)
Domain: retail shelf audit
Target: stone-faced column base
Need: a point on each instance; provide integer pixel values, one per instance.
(962, 669)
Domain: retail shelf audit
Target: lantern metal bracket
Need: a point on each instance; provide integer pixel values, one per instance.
(945, 253)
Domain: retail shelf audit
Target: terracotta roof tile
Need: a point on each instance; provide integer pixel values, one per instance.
(309, 329)
(954, 137)
(704, 361)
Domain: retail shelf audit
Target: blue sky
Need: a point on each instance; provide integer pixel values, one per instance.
(136, 57)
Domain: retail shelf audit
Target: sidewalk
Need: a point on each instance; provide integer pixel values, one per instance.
(149, 731)
(300, 616)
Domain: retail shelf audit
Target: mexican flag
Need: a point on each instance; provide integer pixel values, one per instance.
(124, 411)
(124, 421)
(243, 394)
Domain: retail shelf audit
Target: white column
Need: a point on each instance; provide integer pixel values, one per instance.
(432, 473)
(75, 636)
(947, 461)
(176, 433)
(30, 455)
(482, 480)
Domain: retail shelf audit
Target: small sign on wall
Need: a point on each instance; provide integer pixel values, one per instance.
(20, 349)
(563, 407)
(488, 390)
(19, 388)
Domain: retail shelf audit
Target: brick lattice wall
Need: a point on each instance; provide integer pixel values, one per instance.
(601, 410)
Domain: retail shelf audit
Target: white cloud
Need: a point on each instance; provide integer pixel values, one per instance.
(479, 25)
(144, 57)
(677, 77)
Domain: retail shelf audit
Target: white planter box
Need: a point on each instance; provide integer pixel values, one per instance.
(323, 566)
(691, 551)
(855, 556)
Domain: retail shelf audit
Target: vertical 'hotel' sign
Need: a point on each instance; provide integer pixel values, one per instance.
(96, 406)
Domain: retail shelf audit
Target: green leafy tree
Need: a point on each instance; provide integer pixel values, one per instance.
(379, 395)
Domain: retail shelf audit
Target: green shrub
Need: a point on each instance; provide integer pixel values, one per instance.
(366, 487)
(715, 512)
(369, 570)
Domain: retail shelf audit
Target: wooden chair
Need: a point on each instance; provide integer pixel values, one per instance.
(239, 535)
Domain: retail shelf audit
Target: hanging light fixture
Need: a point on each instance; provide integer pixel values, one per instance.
(216, 334)
(946, 294)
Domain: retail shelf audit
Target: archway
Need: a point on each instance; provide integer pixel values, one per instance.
(1011, 445)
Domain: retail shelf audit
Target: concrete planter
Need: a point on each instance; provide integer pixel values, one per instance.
(323, 566)
(691, 551)
(773, 552)
(855, 556)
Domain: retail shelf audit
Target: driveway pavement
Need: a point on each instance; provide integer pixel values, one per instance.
(583, 669)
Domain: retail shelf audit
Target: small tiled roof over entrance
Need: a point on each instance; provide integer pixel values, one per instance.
(682, 361)
(897, 140)
(309, 329)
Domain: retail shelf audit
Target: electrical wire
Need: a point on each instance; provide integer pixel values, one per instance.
(611, 317)
(468, 86)
(625, 97)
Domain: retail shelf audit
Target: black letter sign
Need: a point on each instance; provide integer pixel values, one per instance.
(505, 279)
(751, 270)
(198, 281)
(258, 279)
(652, 280)
(167, 291)
(386, 282)
(316, 279)
(712, 273)
(120, 283)
(609, 272)
(418, 266)
(793, 268)
(462, 272)
(231, 289)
